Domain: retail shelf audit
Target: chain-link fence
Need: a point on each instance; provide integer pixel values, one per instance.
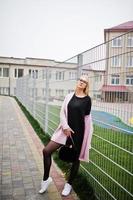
(110, 70)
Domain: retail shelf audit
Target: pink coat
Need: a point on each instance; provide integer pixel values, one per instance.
(61, 138)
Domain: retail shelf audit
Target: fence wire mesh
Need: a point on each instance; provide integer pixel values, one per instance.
(110, 70)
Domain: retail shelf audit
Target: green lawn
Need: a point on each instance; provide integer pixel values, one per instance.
(100, 146)
(116, 154)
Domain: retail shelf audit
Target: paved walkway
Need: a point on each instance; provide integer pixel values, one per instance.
(21, 166)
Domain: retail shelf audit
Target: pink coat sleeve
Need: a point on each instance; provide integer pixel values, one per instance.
(86, 145)
(63, 115)
(59, 136)
(63, 112)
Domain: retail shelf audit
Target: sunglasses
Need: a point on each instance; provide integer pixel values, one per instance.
(83, 81)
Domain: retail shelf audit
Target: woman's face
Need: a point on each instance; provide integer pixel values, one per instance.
(81, 84)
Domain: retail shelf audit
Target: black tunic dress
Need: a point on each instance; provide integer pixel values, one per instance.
(78, 107)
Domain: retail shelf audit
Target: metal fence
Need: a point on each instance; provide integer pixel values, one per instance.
(110, 70)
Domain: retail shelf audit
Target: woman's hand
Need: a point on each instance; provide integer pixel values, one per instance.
(68, 132)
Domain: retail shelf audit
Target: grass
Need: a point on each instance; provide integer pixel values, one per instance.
(81, 184)
(113, 152)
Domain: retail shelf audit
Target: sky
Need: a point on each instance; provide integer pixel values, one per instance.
(57, 29)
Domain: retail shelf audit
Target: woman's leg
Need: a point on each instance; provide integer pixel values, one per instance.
(73, 171)
(47, 151)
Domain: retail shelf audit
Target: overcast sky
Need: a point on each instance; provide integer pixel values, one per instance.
(57, 29)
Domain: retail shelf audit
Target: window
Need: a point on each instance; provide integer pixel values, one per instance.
(129, 80)
(18, 73)
(33, 73)
(4, 90)
(29, 72)
(59, 92)
(50, 74)
(49, 92)
(72, 75)
(83, 73)
(43, 91)
(69, 91)
(59, 75)
(130, 42)
(34, 92)
(115, 79)
(0, 72)
(116, 61)
(56, 75)
(130, 61)
(36, 74)
(43, 74)
(98, 78)
(5, 72)
(117, 42)
(15, 73)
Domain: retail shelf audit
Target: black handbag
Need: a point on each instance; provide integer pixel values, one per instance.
(68, 153)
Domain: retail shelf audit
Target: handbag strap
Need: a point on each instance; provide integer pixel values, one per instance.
(72, 141)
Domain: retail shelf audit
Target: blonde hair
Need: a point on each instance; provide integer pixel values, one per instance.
(86, 90)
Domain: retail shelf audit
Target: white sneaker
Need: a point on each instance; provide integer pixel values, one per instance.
(67, 189)
(44, 185)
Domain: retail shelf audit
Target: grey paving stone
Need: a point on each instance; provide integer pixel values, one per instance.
(29, 192)
(17, 184)
(17, 178)
(6, 181)
(38, 197)
(18, 191)
(19, 197)
(6, 186)
(29, 186)
(6, 197)
(19, 174)
(7, 191)
(27, 179)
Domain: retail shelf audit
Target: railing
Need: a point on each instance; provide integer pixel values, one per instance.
(110, 70)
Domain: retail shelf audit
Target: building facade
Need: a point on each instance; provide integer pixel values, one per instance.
(13, 68)
(118, 83)
(36, 72)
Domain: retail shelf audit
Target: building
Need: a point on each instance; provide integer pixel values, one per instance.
(13, 68)
(34, 71)
(118, 83)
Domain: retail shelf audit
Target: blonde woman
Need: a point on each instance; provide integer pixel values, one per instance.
(75, 122)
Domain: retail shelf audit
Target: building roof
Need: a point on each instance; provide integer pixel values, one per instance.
(114, 88)
(121, 27)
(36, 62)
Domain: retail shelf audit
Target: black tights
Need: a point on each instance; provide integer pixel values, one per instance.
(47, 152)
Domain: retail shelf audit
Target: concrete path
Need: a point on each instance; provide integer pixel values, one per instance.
(21, 166)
